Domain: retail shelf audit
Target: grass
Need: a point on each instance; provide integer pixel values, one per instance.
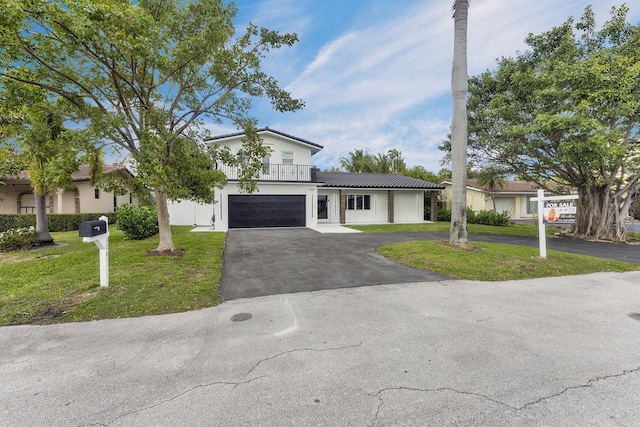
(494, 262)
(61, 284)
(443, 227)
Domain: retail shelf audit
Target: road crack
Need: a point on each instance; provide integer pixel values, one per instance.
(379, 394)
(295, 350)
(178, 395)
(588, 384)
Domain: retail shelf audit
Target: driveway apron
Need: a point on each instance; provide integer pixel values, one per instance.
(277, 261)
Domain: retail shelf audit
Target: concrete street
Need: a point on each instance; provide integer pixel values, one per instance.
(559, 351)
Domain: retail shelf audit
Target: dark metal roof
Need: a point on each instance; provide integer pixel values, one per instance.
(82, 174)
(373, 180)
(267, 129)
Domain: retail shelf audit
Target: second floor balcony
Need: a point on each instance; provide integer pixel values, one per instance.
(275, 172)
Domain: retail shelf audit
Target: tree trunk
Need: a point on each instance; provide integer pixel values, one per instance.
(598, 216)
(164, 228)
(459, 132)
(42, 224)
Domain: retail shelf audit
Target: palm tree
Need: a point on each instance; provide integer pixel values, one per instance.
(492, 178)
(358, 161)
(397, 161)
(459, 131)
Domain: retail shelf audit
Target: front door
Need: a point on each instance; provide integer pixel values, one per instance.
(323, 209)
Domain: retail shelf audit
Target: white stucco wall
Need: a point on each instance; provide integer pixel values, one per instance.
(408, 206)
(190, 213)
(277, 144)
(378, 214)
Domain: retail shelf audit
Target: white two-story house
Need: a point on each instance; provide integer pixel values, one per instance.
(292, 193)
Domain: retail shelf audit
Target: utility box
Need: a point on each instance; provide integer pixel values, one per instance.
(92, 228)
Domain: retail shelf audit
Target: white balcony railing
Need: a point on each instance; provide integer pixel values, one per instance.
(273, 172)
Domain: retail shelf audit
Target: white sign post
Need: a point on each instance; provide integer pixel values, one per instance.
(102, 242)
(541, 227)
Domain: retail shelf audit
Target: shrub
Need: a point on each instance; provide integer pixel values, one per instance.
(57, 222)
(480, 217)
(488, 218)
(71, 222)
(137, 223)
(18, 238)
(444, 215)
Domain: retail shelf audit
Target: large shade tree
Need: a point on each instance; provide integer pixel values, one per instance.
(566, 113)
(459, 133)
(145, 75)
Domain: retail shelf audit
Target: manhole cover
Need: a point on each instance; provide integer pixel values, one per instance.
(48, 256)
(241, 317)
(635, 316)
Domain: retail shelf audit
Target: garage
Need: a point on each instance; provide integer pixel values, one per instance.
(262, 211)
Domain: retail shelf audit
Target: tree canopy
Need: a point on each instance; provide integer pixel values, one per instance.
(566, 113)
(145, 76)
(362, 161)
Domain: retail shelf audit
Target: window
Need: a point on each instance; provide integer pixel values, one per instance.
(131, 198)
(358, 202)
(266, 160)
(532, 207)
(241, 156)
(115, 203)
(96, 193)
(287, 157)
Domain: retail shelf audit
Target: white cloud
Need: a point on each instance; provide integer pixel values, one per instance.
(385, 82)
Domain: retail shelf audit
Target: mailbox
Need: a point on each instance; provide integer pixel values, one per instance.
(92, 228)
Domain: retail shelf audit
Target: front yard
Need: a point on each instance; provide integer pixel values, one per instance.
(61, 284)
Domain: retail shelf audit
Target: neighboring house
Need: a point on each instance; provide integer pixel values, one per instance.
(292, 193)
(515, 198)
(81, 198)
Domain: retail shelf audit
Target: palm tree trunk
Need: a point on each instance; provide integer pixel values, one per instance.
(459, 130)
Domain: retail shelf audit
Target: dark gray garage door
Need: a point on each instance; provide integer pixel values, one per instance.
(267, 211)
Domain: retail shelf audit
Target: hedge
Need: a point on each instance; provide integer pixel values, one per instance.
(57, 222)
(480, 217)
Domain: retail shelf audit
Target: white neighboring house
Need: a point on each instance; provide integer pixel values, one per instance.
(292, 193)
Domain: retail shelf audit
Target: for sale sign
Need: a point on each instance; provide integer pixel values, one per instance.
(560, 211)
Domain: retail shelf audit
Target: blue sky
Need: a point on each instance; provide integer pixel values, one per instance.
(375, 74)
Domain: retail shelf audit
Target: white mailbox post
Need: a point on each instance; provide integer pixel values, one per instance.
(98, 232)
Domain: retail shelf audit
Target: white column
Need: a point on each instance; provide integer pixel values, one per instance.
(60, 193)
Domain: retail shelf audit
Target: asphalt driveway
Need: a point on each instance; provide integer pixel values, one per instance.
(278, 261)
(259, 262)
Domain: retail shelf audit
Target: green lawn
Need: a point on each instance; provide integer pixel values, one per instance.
(493, 262)
(443, 227)
(62, 284)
